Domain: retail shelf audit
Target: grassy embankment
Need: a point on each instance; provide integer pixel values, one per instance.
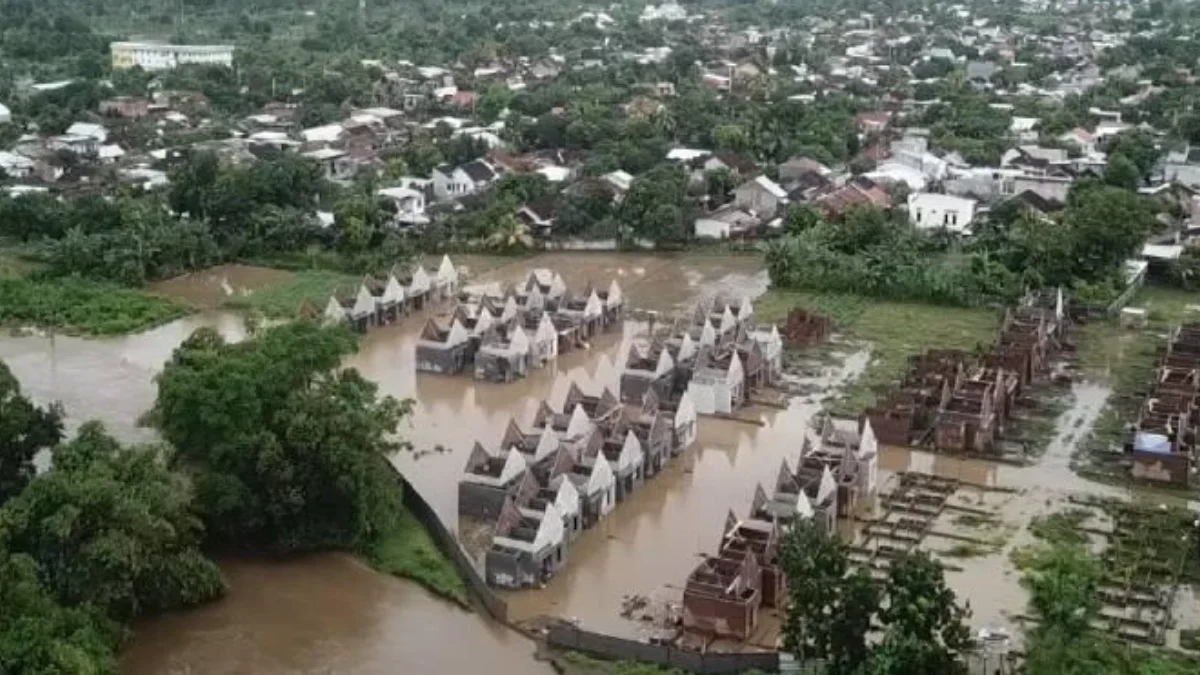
(76, 306)
(408, 551)
(1124, 360)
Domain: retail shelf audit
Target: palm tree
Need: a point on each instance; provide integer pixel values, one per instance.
(509, 234)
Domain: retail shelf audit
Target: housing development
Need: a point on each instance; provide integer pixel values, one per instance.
(708, 337)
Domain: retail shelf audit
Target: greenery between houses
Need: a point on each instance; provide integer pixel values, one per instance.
(80, 306)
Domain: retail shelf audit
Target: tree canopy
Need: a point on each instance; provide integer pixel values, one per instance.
(285, 448)
(25, 430)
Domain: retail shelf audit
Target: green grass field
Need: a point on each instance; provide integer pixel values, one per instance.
(283, 299)
(408, 551)
(893, 331)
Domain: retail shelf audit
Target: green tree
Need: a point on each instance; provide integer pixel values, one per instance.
(112, 528)
(1121, 172)
(287, 450)
(40, 637)
(920, 609)
(25, 430)
(801, 218)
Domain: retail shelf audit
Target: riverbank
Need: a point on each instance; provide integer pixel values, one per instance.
(409, 552)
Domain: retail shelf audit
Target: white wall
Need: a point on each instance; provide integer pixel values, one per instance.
(932, 211)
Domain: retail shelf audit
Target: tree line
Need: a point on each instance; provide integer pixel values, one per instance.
(269, 447)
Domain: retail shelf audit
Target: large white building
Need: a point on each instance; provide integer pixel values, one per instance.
(162, 56)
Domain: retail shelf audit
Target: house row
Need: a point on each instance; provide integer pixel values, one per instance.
(960, 402)
(562, 475)
(501, 333)
(725, 592)
(1163, 438)
(718, 358)
(385, 299)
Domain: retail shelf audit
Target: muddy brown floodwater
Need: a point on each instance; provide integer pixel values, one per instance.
(326, 614)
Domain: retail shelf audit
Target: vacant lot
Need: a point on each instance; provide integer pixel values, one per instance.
(893, 331)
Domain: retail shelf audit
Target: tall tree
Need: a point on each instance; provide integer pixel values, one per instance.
(286, 448)
(25, 430)
(112, 528)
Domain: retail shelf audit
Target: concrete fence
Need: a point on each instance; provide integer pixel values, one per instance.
(564, 636)
(496, 607)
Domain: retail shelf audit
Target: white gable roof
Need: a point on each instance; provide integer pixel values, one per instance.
(606, 373)
(685, 413)
(708, 335)
(804, 509)
(728, 321)
(509, 312)
(687, 347)
(393, 292)
(593, 307)
(420, 282)
(483, 320)
(580, 423)
(446, 273)
(735, 373)
(364, 302)
(567, 499)
(746, 309)
(334, 312)
(601, 478)
(665, 364)
(828, 486)
(519, 342)
(631, 453)
(546, 332)
(615, 299)
(458, 333)
(514, 466)
(547, 444)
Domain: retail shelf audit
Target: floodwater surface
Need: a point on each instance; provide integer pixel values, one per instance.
(323, 614)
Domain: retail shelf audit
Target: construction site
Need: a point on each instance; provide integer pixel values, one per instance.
(1162, 439)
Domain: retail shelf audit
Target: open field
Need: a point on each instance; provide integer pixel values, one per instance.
(892, 331)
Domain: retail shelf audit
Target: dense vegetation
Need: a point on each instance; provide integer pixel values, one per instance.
(274, 448)
(833, 612)
(79, 306)
(876, 253)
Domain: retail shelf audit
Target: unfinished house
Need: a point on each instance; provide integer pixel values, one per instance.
(585, 311)
(614, 305)
(627, 460)
(597, 488)
(389, 297)
(771, 346)
(502, 357)
(972, 417)
(546, 288)
(528, 545)
(684, 423)
(718, 384)
(360, 309)
(443, 347)
(648, 369)
(418, 288)
(543, 340)
(722, 597)
(335, 312)
(488, 481)
(850, 449)
(1163, 444)
(654, 430)
(760, 539)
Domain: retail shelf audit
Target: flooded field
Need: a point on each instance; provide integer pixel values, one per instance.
(324, 614)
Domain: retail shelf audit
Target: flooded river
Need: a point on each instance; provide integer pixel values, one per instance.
(321, 615)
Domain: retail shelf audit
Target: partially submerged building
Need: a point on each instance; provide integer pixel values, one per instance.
(1163, 442)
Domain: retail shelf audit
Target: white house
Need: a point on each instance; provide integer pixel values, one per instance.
(334, 312)
(446, 280)
(761, 196)
(725, 222)
(96, 132)
(14, 165)
(458, 181)
(410, 204)
(718, 391)
(928, 211)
